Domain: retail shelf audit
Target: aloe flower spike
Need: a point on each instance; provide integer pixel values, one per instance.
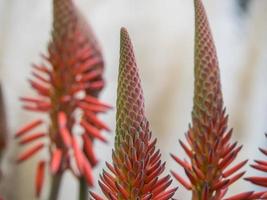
(136, 168)
(66, 84)
(210, 150)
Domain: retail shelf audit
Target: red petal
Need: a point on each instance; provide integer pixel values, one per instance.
(88, 172)
(43, 69)
(91, 107)
(91, 75)
(241, 196)
(262, 181)
(28, 127)
(40, 78)
(97, 85)
(235, 178)
(36, 108)
(264, 151)
(92, 117)
(62, 119)
(260, 167)
(88, 149)
(39, 178)
(64, 132)
(56, 161)
(166, 195)
(219, 185)
(31, 100)
(258, 195)
(93, 100)
(186, 149)
(95, 196)
(184, 164)
(234, 169)
(92, 131)
(122, 190)
(78, 155)
(85, 66)
(66, 136)
(42, 90)
(31, 138)
(30, 152)
(181, 180)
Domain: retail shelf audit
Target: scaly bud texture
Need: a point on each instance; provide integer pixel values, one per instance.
(210, 150)
(136, 169)
(67, 84)
(259, 165)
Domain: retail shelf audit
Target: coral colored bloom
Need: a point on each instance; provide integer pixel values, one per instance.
(67, 86)
(136, 168)
(209, 148)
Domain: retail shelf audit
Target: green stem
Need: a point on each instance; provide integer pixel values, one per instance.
(83, 193)
(55, 186)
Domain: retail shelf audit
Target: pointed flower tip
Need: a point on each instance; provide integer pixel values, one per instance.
(207, 73)
(124, 35)
(127, 57)
(126, 44)
(124, 31)
(130, 101)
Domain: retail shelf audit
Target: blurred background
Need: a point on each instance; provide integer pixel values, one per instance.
(162, 33)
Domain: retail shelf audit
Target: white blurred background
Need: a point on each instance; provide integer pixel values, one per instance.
(162, 33)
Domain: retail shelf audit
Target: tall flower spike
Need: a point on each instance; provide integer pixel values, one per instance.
(69, 81)
(136, 169)
(210, 150)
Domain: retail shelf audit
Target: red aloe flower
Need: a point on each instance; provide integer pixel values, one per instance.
(67, 87)
(136, 162)
(210, 149)
(260, 165)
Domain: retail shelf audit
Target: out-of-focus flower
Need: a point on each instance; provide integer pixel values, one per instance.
(67, 85)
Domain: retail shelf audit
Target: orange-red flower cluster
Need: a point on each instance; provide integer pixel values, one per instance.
(67, 85)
